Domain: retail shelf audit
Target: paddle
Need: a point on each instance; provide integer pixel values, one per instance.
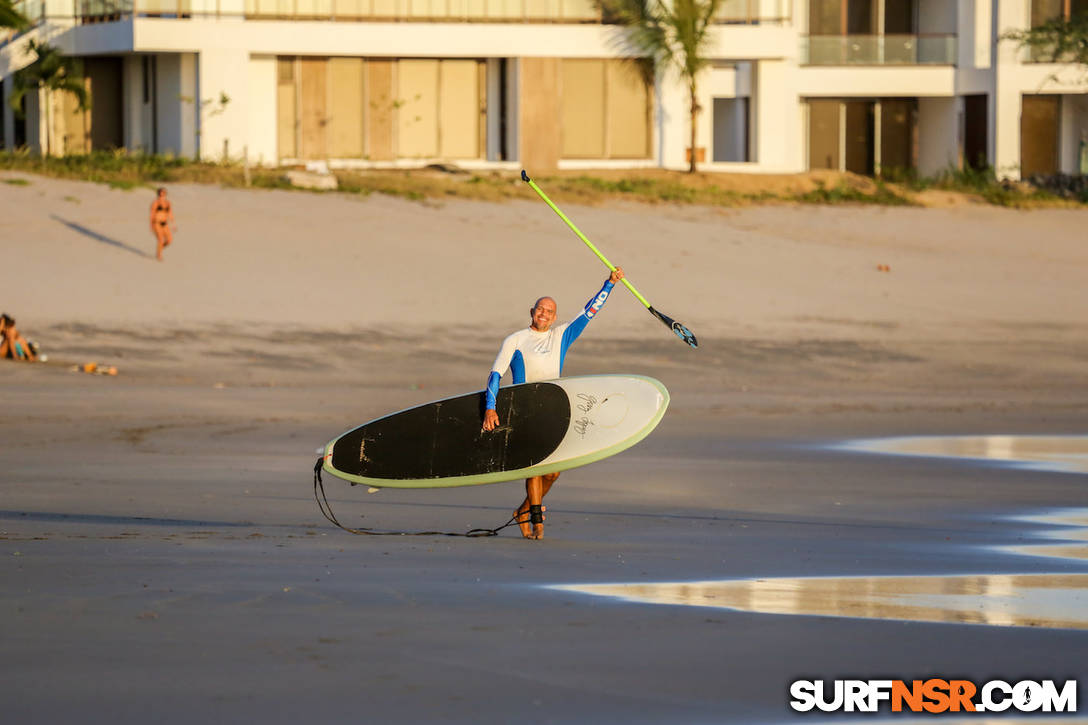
(681, 331)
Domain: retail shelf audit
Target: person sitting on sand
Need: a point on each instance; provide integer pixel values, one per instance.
(162, 217)
(537, 353)
(12, 344)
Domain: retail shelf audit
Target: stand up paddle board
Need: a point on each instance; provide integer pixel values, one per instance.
(543, 428)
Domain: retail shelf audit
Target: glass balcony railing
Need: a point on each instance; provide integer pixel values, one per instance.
(558, 11)
(102, 11)
(878, 50)
(754, 12)
(748, 12)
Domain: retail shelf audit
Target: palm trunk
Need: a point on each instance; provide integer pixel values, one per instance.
(48, 145)
(694, 113)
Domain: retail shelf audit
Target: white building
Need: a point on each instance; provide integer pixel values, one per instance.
(862, 85)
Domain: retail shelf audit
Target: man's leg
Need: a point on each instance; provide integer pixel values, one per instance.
(536, 488)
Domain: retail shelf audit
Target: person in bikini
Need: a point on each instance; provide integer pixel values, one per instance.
(12, 344)
(162, 217)
(532, 354)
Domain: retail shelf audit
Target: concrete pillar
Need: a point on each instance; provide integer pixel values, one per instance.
(974, 25)
(539, 120)
(938, 134)
(132, 98)
(777, 124)
(9, 116)
(1011, 15)
(672, 125)
(223, 72)
(261, 135)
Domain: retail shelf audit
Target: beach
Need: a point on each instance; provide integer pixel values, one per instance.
(163, 556)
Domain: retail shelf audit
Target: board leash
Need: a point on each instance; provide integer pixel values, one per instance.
(326, 510)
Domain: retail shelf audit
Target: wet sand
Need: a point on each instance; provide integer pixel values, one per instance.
(163, 558)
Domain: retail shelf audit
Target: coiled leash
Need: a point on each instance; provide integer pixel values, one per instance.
(326, 510)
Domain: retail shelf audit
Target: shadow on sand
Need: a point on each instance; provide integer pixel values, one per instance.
(55, 517)
(99, 237)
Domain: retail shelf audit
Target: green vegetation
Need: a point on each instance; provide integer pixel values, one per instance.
(10, 17)
(1056, 41)
(983, 183)
(124, 170)
(671, 36)
(53, 71)
(17, 182)
(843, 194)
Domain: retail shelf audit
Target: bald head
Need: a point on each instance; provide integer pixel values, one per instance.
(543, 314)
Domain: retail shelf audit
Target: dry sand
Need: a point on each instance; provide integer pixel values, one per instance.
(162, 558)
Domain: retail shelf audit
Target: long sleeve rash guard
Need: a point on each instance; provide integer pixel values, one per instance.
(531, 356)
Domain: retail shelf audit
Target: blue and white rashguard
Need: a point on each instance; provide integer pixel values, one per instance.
(531, 356)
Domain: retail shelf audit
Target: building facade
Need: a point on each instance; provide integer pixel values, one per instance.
(870, 86)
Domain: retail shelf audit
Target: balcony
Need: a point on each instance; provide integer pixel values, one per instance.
(930, 49)
(754, 12)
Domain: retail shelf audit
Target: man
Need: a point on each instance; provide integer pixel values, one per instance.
(162, 217)
(537, 353)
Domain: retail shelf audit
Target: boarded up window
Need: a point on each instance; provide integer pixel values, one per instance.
(823, 134)
(859, 137)
(459, 109)
(417, 114)
(346, 114)
(380, 109)
(439, 109)
(380, 105)
(286, 103)
(897, 126)
(74, 131)
(605, 110)
(539, 127)
(1039, 135)
(628, 95)
(313, 114)
(583, 108)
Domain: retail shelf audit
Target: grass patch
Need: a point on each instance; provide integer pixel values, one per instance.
(16, 182)
(984, 184)
(844, 193)
(126, 171)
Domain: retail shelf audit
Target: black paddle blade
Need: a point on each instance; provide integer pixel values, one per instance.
(680, 330)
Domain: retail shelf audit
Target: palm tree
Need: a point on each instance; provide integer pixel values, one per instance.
(53, 71)
(673, 35)
(10, 17)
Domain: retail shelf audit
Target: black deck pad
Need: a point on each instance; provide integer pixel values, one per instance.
(444, 439)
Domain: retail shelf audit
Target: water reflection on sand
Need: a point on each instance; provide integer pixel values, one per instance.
(1021, 600)
(1017, 600)
(1066, 454)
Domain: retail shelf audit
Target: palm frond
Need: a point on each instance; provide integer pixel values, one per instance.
(52, 70)
(10, 17)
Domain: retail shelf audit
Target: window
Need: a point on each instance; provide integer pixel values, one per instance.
(605, 110)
